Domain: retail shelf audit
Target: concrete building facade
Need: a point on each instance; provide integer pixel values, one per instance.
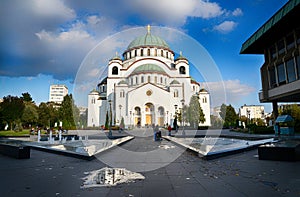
(279, 41)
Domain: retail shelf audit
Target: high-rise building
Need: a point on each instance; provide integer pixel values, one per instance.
(252, 111)
(57, 93)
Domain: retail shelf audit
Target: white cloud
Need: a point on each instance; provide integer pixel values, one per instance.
(235, 91)
(237, 12)
(225, 27)
(52, 8)
(175, 12)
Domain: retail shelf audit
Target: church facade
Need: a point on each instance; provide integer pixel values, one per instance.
(147, 86)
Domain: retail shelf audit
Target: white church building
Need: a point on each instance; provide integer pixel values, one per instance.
(147, 86)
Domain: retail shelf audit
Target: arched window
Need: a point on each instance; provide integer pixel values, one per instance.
(175, 93)
(182, 70)
(136, 80)
(161, 53)
(149, 78)
(142, 79)
(204, 100)
(93, 100)
(161, 80)
(115, 70)
(137, 111)
(148, 52)
(167, 54)
(122, 94)
(142, 52)
(135, 53)
(161, 111)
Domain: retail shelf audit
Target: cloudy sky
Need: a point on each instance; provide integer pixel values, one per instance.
(44, 42)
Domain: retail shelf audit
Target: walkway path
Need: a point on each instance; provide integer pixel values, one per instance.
(46, 174)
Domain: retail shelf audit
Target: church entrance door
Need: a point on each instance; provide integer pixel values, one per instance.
(149, 110)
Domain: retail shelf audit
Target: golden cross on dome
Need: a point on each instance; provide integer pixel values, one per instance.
(149, 29)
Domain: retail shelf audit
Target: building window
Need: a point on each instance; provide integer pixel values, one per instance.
(281, 74)
(155, 52)
(273, 51)
(167, 54)
(204, 100)
(182, 70)
(161, 80)
(290, 68)
(122, 94)
(290, 43)
(131, 79)
(298, 66)
(149, 79)
(93, 101)
(272, 76)
(115, 70)
(136, 80)
(155, 79)
(137, 111)
(148, 52)
(162, 53)
(135, 53)
(280, 46)
(175, 93)
(142, 79)
(142, 52)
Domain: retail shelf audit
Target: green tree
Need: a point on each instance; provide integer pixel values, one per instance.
(231, 116)
(27, 97)
(30, 115)
(48, 114)
(216, 122)
(195, 112)
(222, 112)
(68, 112)
(11, 110)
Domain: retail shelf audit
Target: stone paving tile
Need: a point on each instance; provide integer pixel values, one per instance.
(242, 174)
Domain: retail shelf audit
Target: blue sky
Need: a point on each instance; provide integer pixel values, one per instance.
(44, 42)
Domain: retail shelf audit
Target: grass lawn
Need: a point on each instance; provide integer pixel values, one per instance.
(14, 133)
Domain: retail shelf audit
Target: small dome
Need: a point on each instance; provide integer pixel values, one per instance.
(148, 40)
(148, 68)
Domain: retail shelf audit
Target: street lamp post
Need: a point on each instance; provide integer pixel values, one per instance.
(167, 117)
(130, 118)
(120, 106)
(182, 120)
(248, 116)
(110, 121)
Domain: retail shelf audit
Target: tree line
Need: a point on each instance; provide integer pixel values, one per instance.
(17, 113)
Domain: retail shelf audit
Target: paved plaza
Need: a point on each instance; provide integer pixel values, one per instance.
(241, 174)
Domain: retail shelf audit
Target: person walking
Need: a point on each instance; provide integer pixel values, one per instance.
(169, 129)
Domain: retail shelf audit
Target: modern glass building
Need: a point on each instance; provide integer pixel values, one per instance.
(279, 41)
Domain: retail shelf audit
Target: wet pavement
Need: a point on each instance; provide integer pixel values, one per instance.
(242, 174)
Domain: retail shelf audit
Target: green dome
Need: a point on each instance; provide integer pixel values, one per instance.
(148, 68)
(147, 40)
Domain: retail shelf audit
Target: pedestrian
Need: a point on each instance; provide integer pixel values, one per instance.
(169, 129)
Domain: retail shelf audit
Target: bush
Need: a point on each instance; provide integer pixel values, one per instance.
(263, 130)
